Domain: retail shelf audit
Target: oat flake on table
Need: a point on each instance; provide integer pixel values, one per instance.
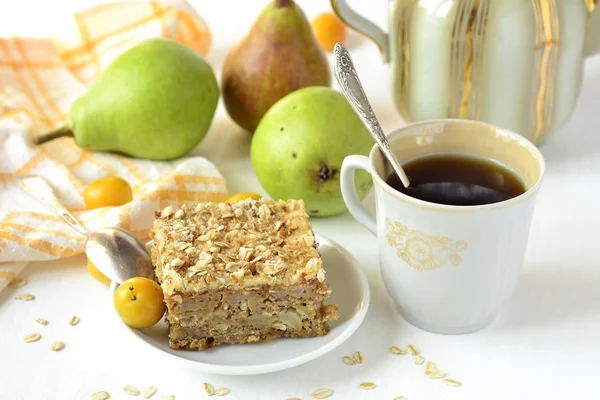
(32, 337)
(25, 297)
(132, 391)
(359, 357)
(149, 392)
(412, 349)
(322, 393)
(349, 360)
(100, 396)
(57, 346)
(397, 350)
(430, 366)
(452, 382)
(367, 385)
(223, 391)
(418, 360)
(208, 388)
(41, 321)
(435, 374)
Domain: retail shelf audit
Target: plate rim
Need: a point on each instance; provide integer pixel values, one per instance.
(354, 324)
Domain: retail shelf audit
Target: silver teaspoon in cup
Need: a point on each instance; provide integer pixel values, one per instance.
(352, 88)
(450, 193)
(114, 251)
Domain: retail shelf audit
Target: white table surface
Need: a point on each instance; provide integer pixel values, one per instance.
(545, 345)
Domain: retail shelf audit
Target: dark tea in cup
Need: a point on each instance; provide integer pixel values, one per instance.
(458, 180)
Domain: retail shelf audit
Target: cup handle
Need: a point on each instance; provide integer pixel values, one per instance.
(362, 25)
(349, 165)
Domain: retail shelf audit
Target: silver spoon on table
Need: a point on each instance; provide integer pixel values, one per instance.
(114, 251)
(347, 77)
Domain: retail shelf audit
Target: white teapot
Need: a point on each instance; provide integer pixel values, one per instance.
(513, 63)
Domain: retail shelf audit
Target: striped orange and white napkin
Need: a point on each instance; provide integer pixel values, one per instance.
(39, 79)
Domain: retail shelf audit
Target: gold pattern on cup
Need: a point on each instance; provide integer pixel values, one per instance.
(421, 251)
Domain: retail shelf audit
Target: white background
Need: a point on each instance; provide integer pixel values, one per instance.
(545, 345)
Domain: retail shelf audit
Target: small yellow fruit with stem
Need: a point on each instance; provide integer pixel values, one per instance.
(106, 192)
(96, 274)
(139, 302)
(243, 196)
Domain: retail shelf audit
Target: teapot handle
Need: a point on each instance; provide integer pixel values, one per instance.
(362, 25)
(592, 39)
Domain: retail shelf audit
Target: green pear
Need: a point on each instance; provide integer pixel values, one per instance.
(278, 55)
(298, 148)
(156, 101)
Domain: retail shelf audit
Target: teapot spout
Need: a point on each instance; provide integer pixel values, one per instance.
(592, 39)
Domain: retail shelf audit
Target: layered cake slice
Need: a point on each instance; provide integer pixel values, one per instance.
(240, 272)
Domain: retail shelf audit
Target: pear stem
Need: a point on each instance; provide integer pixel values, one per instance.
(283, 3)
(63, 131)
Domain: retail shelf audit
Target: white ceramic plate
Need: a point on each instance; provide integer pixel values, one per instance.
(350, 292)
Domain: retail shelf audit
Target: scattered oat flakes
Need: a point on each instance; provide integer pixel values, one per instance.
(25, 297)
(322, 393)
(57, 346)
(32, 337)
(399, 398)
(452, 382)
(367, 385)
(130, 390)
(100, 396)
(435, 374)
(169, 397)
(74, 321)
(397, 350)
(419, 360)
(293, 398)
(412, 349)
(222, 391)
(41, 321)
(359, 357)
(149, 392)
(208, 389)
(17, 283)
(349, 360)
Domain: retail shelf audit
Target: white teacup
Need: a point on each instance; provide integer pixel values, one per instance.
(449, 269)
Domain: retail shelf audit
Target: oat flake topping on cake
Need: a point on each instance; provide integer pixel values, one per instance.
(237, 245)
